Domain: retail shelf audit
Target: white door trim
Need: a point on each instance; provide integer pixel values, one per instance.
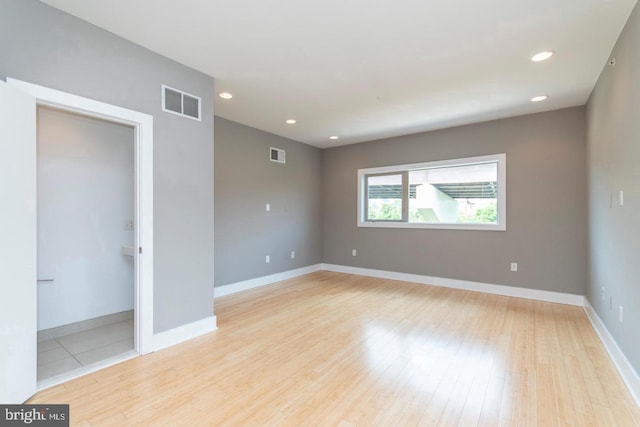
(143, 125)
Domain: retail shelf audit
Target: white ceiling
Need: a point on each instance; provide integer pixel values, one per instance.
(370, 69)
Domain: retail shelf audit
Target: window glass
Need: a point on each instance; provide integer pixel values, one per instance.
(454, 194)
(384, 198)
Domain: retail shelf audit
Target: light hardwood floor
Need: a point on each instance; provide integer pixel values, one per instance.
(333, 349)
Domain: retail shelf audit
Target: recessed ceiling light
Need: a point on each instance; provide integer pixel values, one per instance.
(225, 95)
(290, 121)
(333, 137)
(542, 56)
(538, 98)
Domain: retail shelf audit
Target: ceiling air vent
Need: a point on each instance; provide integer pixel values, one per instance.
(181, 103)
(277, 155)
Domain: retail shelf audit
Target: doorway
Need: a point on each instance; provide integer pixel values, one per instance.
(142, 248)
(85, 204)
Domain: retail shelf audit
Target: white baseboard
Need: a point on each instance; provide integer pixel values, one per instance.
(628, 374)
(262, 281)
(511, 291)
(84, 325)
(183, 333)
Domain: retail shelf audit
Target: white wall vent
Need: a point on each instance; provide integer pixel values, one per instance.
(277, 155)
(181, 103)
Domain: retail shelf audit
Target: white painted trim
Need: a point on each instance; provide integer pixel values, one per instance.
(262, 281)
(628, 374)
(511, 291)
(184, 333)
(143, 130)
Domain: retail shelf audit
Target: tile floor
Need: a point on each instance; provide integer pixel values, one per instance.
(67, 353)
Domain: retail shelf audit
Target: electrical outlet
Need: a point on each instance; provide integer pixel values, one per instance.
(293, 254)
(621, 314)
(267, 259)
(603, 293)
(353, 252)
(514, 266)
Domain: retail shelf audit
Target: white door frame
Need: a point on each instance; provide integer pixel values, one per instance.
(143, 132)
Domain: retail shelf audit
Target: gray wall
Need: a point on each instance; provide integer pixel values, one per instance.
(245, 181)
(546, 205)
(614, 165)
(44, 46)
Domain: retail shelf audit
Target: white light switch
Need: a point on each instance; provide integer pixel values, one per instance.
(268, 207)
(621, 198)
(267, 259)
(514, 266)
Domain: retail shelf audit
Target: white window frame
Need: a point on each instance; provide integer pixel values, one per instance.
(501, 225)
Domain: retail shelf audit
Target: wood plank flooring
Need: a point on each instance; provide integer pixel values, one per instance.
(332, 349)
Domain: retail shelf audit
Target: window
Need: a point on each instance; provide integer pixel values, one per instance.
(467, 194)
